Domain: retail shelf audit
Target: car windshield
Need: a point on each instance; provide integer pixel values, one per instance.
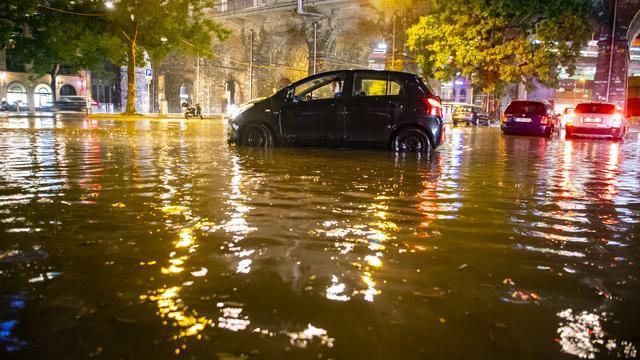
(594, 108)
(526, 107)
(463, 109)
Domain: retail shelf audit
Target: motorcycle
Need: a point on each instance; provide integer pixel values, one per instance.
(192, 111)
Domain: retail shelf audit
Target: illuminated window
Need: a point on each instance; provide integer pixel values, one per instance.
(42, 95)
(16, 92)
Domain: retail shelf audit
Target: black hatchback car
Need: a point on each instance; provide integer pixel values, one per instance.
(358, 108)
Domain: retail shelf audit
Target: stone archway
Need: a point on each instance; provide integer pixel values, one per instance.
(67, 90)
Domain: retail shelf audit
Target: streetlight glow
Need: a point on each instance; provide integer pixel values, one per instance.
(109, 4)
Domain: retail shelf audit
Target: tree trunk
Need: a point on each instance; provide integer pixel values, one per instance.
(54, 79)
(131, 80)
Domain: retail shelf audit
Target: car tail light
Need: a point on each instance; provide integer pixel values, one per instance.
(617, 121)
(503, 118)
(568, 118)
(434, 105)
(545, 120)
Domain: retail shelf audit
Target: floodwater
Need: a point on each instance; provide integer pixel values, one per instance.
(156, 240)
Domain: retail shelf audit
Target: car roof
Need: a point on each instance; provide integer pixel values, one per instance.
(596, 103)
(361, 71)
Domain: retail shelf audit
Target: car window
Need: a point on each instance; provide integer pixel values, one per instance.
(592, 108)
(375, 85)
(526, 107)
(327, 87)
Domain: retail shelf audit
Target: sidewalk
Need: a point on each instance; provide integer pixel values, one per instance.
(154, 116)
(25, 114)
(106, 116)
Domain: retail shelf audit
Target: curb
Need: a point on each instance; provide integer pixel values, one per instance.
(106, 116)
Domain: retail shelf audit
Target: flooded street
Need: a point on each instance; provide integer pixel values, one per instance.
(156, 240)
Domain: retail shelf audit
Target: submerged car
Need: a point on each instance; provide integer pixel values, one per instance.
(567, 114)
(469, 114)
(355, 108)
(597, 120)
(528, 118)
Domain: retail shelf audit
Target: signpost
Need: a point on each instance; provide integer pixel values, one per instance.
(148, 74)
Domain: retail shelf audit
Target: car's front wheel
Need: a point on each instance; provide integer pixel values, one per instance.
(256, 136)
(411, 140)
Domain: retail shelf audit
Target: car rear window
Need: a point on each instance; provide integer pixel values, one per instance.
(590, 108)
(526, 107)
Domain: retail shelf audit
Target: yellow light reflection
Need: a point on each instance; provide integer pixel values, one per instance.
(186, 238)
(371, 291)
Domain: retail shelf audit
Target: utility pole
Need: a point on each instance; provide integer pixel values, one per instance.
(198, 78)
(613, 39)
(251, 65)
(315, 49)
(393, 44)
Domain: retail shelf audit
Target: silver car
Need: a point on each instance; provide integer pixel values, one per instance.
(597, 120)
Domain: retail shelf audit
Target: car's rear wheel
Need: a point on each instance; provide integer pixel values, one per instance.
(411, 140)
(256, 136)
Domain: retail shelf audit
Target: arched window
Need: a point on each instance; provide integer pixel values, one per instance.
(42, 95)
(67, 90)
(463, 95)
(16, 92)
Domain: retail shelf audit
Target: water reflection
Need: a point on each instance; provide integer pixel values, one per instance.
(581, 334)
(510, 241)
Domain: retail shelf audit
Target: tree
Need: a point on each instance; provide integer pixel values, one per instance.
(156, 27)
(56, 36)
(502, 42)
(12, 17)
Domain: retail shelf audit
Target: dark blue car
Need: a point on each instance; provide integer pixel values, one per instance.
(528, 118)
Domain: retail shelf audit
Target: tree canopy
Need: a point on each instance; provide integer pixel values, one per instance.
(502, 42)
(77, 33)
(156, 27)
(49, 39)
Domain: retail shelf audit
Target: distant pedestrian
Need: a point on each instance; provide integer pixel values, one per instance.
(18, 106)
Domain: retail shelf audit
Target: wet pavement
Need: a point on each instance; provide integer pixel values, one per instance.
(155, 239)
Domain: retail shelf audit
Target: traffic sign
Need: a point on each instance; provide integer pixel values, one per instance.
(148, 73)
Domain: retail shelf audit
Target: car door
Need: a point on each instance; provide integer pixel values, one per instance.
(374, 105)
(312, 111)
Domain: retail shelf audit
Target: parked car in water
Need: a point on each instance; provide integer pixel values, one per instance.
(358, 108)
(470, 115)
(528, 118)
(567, 114)
(71, 103)
(597, 120)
